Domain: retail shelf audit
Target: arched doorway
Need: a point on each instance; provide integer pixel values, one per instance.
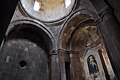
(80, 34)
(25, 54)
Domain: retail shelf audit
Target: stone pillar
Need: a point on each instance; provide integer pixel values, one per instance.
(104, 65)
(77, 66)
(61, 54)
(55, 68)
(110, 30)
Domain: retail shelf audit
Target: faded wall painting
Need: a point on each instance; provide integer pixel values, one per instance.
(92, 66)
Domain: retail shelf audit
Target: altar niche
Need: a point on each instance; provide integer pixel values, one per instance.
(93, 66)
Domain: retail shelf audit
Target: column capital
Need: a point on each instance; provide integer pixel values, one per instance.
(63, 51)
(53, 52)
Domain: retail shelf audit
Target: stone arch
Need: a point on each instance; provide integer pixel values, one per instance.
(67, 38)
(86, 15)
(36, 25)
(32, 43)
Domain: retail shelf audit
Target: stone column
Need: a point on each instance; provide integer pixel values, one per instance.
(61, 54)
(77, 66)
(55, 68)
(110, 30)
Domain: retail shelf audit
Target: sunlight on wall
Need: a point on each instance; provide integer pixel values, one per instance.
(36, 6)
(67, 3)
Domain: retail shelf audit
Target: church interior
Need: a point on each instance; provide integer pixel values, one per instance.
(60, 40)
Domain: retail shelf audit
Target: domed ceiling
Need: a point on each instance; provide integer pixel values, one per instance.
(48, 10)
